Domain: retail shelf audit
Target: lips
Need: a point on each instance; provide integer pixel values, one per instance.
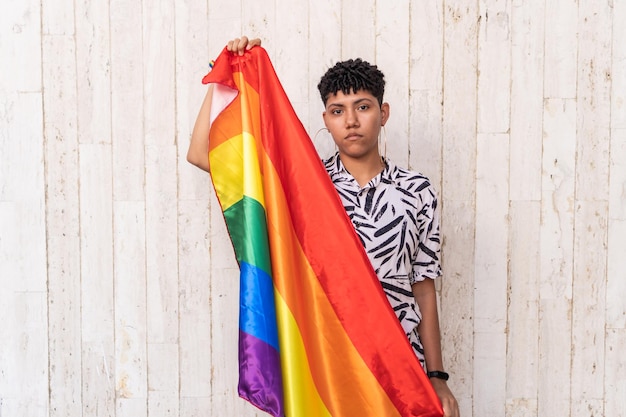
(352, 136)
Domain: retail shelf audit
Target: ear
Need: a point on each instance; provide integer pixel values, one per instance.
(384, 113)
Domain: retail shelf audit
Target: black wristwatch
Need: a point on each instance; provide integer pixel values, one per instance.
(438, 374)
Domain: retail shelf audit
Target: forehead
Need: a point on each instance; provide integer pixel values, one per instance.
(341, 99)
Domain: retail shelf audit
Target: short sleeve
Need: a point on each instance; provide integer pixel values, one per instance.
(426, 262)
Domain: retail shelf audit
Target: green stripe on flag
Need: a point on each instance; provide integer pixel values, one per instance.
(248, 230)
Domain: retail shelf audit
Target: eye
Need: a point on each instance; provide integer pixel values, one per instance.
(363, 107)
(336, 111)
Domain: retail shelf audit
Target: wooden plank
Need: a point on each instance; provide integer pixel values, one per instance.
(589, 307)
(161, 244)
(392, 58)
(20, 30)
(494, 67)
(97, 303)
(457, 300)
(490, 273)
(24, 359)
(523, 310)
(131, 407)
(556, 246)
(616, 262)
(358, 30)
(192, 63)
(527, 71)
(23, 247)
(225, 22)
(62, 225)
(258, 20)
(57, 18)
(290, 59)
(459, 102)
(491, 248)
(618, 66)
(561, 47)
(594, 100)
(163, 382)
(194, 406)
(489, 373)
(325, 29)
(130, 300)
(426, 88)
(194, 298)
(458, 185)
(615, 369)
(127, 107)
(94, 78)
(159, 101)
(162, 290)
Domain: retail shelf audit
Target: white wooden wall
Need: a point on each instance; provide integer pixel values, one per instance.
(118, 285)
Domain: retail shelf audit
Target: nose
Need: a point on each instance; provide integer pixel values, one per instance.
(351, 118)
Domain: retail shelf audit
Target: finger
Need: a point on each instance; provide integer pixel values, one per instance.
(232, 45)
(243, 43)
(253, 42)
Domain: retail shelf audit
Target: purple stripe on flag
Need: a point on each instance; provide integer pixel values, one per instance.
(260, 380)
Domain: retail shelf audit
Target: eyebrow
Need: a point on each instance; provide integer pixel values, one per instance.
(357, 101)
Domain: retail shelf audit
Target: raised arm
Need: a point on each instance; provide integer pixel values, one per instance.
(198, 152)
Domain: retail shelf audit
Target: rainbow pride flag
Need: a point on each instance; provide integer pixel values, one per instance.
(317, 335)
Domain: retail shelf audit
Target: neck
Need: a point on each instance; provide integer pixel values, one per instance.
(363, 169)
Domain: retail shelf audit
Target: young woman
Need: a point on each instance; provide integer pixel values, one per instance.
(393, 210)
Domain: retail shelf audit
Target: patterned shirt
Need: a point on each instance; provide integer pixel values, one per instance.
(396, 219)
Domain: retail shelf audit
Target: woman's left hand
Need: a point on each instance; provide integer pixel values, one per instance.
(450, 406)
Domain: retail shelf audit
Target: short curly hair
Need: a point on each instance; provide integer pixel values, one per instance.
(352, 76)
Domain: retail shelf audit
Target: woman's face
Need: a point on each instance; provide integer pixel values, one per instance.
(354, 121)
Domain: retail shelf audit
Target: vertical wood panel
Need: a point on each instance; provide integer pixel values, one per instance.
(523, 312)
(193, 54)
(23, 261)
(457, 304)
(557, 214)
(594, 102)
(615, 401)
(97, 299)
(426, 88)
(162, 269)
(490, 273)
(392, 57)
(325, 29)
(458, 195)
(616, 263)
(62, 225)
(618, 67)
(194, 361)
(24, 382)
(459, 101)
(290, 60)
(560, 48)
(194, 297)
(588, 308)
(494, 66)
(158, 72)
(527, 61)
(127, 108)
(358, 30)
(93, 70)
(130, 304)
